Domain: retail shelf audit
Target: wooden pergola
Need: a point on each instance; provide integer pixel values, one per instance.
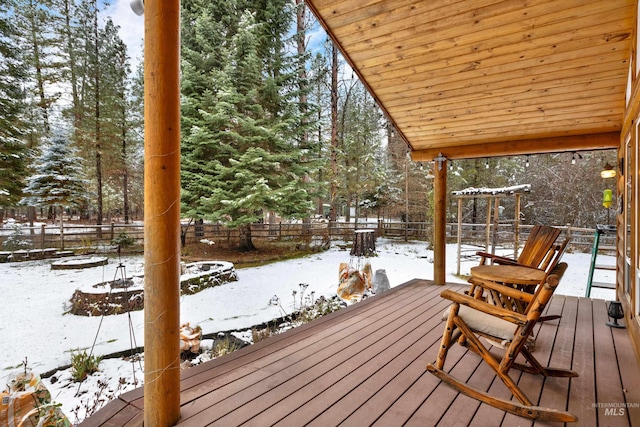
(492, 195)
(458, 79)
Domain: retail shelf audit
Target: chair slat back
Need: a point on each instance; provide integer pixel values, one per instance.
(551, 267)
(538, 244)
(553, 256)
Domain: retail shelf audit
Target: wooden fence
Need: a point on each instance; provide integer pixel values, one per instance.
(77, 237)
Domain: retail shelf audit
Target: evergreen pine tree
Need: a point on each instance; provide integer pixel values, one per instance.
(40, 43)
(72, 39)
(117, 140)
(241, 155)
(59, 178)
(134, 200)
(359, 144)
(320, 123)
(13, 151)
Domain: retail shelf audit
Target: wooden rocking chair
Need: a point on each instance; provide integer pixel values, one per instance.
(503, 298)
(469, 318)
(534, 252)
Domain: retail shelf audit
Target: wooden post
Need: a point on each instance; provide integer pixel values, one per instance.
(440, 222)
(162, 212)
(459, 234)
(496, 223)
(487, 232)
(516, 229)
(61, 232)
(406, 198)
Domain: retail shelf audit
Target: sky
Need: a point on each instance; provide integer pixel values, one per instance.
(35, 298)
(132, 31)
(131, 28)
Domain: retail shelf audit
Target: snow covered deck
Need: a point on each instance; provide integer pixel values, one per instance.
(365, 365)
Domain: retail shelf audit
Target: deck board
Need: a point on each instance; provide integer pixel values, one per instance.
(267, 354)
(252, 358)
(558, 389)
(287, 372)
(392, 351)
(534, 384)
(606, 366)
(443, 395)
(583, 393)
(365, 365)
(628, 367)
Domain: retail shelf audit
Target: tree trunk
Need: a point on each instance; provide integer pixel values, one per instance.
(302, 71)
(43, 104)
(31, 215)
(334, 133)
(96, 80)
(72, 66)
(348, 209)
(183, 232)
(245, 239)
(125, 168)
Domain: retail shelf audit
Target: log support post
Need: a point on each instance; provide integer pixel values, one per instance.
(162, 212)
(440, 220)
(516, 228)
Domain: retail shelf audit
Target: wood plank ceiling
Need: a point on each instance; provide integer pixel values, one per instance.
(490, 78)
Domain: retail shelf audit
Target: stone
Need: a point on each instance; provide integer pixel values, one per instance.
(380, 281)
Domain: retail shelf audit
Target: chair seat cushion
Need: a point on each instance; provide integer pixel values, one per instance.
(485, 323)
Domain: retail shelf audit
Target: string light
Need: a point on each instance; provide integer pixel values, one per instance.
(526, 161)
(575, 157)
(486, 165)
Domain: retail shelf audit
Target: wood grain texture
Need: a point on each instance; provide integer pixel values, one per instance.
(455, 73)
(162, 213)
(364, 365)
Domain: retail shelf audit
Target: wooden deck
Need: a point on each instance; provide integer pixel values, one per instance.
(365, 365)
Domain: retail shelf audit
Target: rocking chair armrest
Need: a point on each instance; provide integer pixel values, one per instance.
(484, 307)
(496, 258)
(502, 289)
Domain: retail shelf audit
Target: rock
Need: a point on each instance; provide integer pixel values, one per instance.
(380, 282)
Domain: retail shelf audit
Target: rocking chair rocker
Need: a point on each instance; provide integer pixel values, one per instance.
(469, 319)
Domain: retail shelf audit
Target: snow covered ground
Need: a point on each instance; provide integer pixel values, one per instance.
(34, 299)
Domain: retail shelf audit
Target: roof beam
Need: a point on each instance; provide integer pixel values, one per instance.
(597, 141)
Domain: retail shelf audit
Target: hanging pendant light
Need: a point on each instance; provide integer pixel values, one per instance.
(138, 7)
(607, 198)
(608, 171)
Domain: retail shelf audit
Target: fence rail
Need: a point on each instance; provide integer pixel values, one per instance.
(77, 236)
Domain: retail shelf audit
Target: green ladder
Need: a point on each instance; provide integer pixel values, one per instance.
(600, 230)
